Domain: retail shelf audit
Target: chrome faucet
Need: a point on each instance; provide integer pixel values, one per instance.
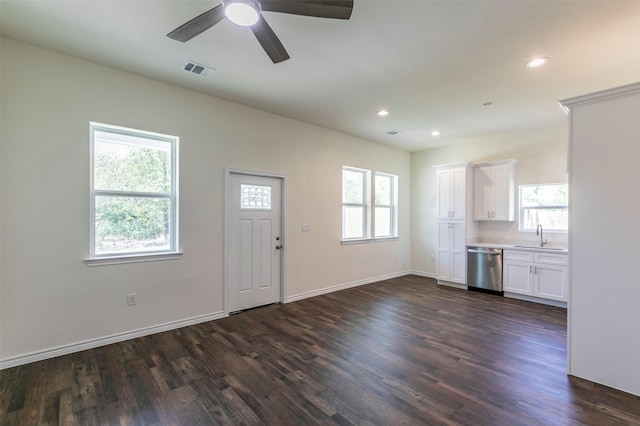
(542, 241)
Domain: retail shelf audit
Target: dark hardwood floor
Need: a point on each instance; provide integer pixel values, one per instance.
(402, 351)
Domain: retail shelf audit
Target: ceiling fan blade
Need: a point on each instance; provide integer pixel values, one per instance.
(197, 25)
(269, 41)
(337, 9)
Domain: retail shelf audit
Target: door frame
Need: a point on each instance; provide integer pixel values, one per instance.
(283, 216)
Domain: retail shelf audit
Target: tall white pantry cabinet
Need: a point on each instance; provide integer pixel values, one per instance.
(604, 241)
(454, 222)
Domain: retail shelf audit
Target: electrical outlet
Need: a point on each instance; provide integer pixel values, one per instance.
(131, 299)
(433, 257)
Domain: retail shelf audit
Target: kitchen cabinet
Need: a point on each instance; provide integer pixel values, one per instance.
(536, 273)
(454, 197)
(494, 191)
(451, 254)
(452, 191)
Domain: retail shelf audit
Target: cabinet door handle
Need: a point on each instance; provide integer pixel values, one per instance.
(536, 270)
(488, 215)
(493, 214)
(530, 269)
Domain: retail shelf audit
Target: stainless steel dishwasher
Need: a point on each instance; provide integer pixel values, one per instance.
(484, 269)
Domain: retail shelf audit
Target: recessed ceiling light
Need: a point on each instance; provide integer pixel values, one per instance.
(382, 113)
(536, 62)
(435, 133)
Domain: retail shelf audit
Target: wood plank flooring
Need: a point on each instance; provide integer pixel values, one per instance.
(402, 351)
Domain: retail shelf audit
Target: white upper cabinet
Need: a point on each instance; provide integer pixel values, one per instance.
(494, 191)
(452, 191)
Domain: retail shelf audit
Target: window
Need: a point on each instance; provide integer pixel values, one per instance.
(355, 203)
(546, 205)
(385, 215)
(134, 191)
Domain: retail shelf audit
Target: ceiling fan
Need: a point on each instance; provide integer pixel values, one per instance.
(249, 13)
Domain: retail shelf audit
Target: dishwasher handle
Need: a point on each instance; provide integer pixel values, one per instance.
(492, 252)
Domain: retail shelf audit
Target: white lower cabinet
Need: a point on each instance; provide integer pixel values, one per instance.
(534, 273)
(452, 262)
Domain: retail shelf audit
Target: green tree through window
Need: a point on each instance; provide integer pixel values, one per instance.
(133, 198)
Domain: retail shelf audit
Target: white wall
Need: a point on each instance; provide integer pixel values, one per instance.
(542, 158)
(604, 300)
(49, 298)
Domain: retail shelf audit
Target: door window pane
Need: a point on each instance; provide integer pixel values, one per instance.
(255, 197)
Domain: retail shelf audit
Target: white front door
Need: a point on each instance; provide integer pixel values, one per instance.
(254, 240)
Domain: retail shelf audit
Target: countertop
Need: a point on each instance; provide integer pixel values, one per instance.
(551, 249)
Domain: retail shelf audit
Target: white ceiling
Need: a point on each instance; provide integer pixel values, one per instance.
(432, 64)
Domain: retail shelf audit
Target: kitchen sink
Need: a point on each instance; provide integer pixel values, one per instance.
(543, 248)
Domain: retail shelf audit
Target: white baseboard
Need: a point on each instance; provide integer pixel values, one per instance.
(451, 284)
(424, 274)
(308, 294)
(120, 337)
(526, 298)
(107, 340)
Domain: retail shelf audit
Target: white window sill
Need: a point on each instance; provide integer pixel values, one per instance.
(382, 239)
(356, 241)
(136, 258)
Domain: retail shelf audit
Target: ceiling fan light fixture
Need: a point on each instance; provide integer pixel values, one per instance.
(536, 62)
(242, 12)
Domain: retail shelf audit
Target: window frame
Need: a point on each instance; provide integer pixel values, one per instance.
(96, 259)
(365, 204)
(393, 206)
(522, 208)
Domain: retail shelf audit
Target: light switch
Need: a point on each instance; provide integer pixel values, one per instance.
(305, 227)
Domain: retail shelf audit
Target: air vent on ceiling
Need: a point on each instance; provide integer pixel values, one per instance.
(194, 68)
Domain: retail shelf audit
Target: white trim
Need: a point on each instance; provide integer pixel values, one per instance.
(135, 258)
(557, 303)
(152, 139)
(338, 287)
(228, 171)
(453, 165)
(616, 92)
(355, 241)
(382, 239)
(424, 274)
(510, 162)
(452, 284)
(107, 340)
